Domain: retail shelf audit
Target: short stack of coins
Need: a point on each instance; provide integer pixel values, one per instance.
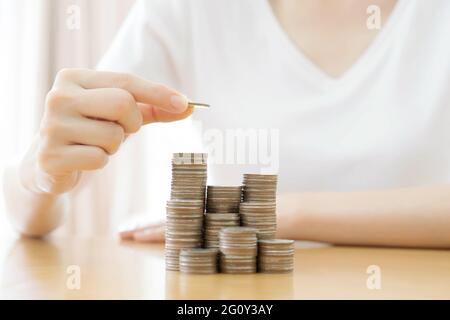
(261, 216)
(184, 220)
(184, 229)
(259, 207)
(223, 199)
(276, 256)
(260, 187)
(199, 261)
(238, 250)
(214, 222)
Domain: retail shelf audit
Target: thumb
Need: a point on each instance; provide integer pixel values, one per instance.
(151, 114)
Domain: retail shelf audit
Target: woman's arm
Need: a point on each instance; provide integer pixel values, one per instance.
(408, 217)
(32, 214)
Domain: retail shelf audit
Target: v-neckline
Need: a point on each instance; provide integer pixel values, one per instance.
(305, 62)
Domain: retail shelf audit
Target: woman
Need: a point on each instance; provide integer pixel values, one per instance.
(361, 111)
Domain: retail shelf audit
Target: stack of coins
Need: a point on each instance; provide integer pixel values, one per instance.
(238, 250)
(188, 227)
(261, 216)
(276, 256)
(189, 176)
(200, 261)
(214, 222)
(223, 199)
(184, 223)
(184, 229)
(260, 187)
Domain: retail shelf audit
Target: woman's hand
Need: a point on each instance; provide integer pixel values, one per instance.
(143, 232)
(87, 116)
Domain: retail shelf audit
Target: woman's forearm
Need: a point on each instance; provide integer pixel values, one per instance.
(31, 213)
(410, 217)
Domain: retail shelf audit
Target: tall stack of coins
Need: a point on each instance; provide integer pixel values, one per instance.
(261, 216)
(184, 221)
(214, 222)
(223, 199)
(200, 261)
(238, 250)
(184, 229)
(260, 187)
(276, 256)
(189, 176)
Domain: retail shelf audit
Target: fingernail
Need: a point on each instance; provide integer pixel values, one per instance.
(179, 103)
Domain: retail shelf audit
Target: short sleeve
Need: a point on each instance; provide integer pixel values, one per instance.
(151, 42)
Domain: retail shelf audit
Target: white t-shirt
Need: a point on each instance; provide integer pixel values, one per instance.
(383, 124)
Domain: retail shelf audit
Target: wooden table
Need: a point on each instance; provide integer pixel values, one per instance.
(110, 269)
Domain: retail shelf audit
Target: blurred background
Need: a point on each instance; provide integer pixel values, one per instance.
(38, 39)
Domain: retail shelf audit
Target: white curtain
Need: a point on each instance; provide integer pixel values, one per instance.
(37, 38)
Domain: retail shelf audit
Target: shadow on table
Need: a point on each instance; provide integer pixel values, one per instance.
(23, 271)
(229, 286)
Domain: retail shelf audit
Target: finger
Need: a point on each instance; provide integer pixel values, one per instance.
(126, 231)
(143, 90)
(111, 104)
(103, 134)
(72, 158)
(152, 114)
(150, 235)
(126, 234)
